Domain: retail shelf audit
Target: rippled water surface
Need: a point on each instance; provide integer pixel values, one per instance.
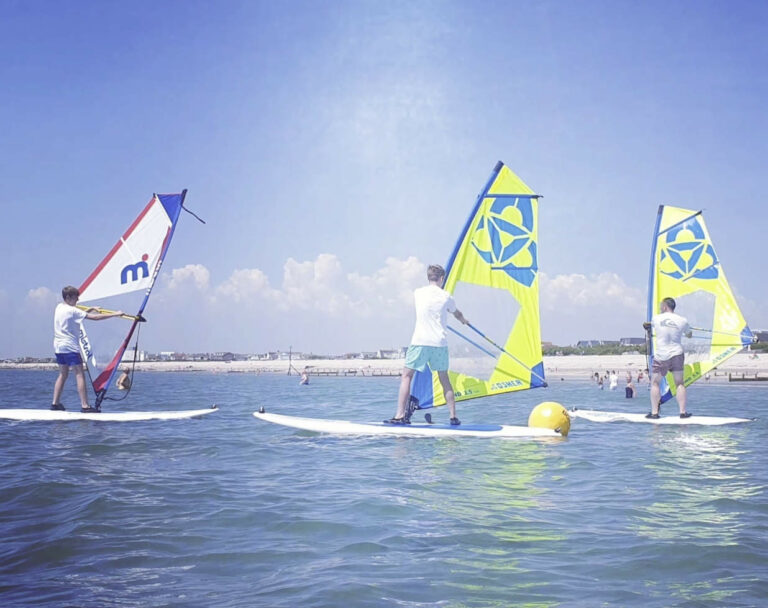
(229, 511)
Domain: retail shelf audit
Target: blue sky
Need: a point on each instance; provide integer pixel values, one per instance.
(335, 148)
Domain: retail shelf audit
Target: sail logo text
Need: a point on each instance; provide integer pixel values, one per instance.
(85, 345)
(504, 238)
(134, 270)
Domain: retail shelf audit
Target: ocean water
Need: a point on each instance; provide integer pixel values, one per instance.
(229, 511)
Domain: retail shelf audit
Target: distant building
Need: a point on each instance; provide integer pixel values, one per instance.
(593, 343)
(632, 341)
(762, 334)
(398, 353)
(588, 343)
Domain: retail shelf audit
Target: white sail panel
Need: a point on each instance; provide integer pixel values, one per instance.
(131, 263)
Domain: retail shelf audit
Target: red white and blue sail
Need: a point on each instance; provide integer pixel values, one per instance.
(123, 280)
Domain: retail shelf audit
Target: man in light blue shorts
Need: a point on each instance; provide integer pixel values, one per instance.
(429, 344)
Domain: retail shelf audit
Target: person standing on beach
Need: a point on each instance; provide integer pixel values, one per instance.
(669, 328)
(429, 344)
(66, 332)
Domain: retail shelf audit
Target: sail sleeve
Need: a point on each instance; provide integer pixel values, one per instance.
(124, 280)
(685, 267)
(493, 274)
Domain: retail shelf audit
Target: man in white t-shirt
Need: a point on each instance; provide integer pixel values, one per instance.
(429, 343)
(668, 355)
(66, 333)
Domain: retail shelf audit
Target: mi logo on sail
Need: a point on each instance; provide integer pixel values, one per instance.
(688, 254)
(135, 272)
(504, 238)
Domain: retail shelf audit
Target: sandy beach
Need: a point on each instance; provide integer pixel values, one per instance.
(574, 367)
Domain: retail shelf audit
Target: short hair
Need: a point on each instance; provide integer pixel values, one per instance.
(70, 292)
(435, 272)
(670, 303)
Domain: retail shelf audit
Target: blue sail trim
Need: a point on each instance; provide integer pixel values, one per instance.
(422, 391)
(666, 393)
(537, 375)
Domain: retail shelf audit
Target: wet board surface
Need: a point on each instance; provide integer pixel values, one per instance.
(345, 427)
(59, 416)
(600, 416)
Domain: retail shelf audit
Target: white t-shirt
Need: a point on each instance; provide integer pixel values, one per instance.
(66, 328)
(432, 307)
(669, 328)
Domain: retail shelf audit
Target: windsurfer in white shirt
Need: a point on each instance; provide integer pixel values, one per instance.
(429, 344)
(668, 356)
(66, 335)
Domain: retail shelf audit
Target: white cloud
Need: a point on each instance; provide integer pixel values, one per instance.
(245, 285)
(41, 298)
(577, 307)
(322, 285)
(319, 284)
(606, 290)
(389, 287)
(196, 275)
(316, 305)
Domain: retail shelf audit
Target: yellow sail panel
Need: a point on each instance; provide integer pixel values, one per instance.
(493, 275)
(685, 267)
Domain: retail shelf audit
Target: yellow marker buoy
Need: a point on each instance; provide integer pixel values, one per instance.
(550, 415)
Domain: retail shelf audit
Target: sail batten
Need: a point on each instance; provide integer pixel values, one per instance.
(685, 267)
(493, 274)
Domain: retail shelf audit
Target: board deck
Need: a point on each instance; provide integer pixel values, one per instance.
(53, 415)
(345, 427)
(599, 416)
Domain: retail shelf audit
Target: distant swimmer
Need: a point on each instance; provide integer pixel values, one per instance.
(304, 377)
(124, 381)
(66, 333)
(668, 356)
(614, 378)
(429, 344)
(629, 390)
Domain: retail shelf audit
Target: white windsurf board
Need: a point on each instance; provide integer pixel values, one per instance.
(346, 427)
(600, 416)
(57, 415)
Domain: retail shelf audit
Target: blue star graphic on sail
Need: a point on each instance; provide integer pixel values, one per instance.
(504, 238)
(687, 253)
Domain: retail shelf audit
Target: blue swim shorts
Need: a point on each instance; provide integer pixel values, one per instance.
(69, 359)
(418, 357)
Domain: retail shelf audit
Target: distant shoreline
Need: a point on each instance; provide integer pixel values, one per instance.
(566, 367)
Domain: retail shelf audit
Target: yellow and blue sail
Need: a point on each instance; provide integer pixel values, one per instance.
(495, 260)
(684, 263)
